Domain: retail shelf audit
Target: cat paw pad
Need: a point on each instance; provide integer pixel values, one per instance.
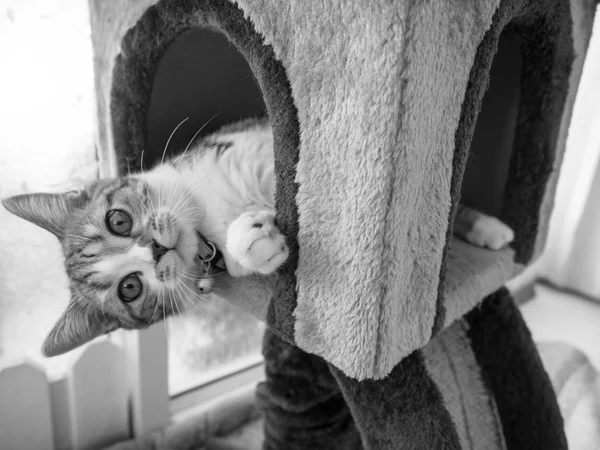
(255, 242)
(491, 233)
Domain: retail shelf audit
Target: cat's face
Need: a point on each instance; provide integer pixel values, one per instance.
(129, 246)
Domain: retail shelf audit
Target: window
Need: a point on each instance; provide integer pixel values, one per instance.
(47, 115)
(216, 340)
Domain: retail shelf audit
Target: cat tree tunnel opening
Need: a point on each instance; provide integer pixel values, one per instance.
(507, 145)
(488, 162)
(203, 78)
(510, 152)
(206, 62)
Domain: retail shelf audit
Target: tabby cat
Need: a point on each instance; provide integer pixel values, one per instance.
(131, 244)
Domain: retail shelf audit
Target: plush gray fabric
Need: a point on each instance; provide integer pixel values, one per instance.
(452, 366)
(388, 95)
(373, 108)
(377, 114)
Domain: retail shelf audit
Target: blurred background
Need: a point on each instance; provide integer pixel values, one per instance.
(47, 136)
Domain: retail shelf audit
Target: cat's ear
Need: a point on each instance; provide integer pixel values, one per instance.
(49, 211)
(74, 328)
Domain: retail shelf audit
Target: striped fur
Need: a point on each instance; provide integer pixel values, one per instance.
(221, 189)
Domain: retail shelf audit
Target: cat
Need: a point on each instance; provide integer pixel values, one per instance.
(131, 243)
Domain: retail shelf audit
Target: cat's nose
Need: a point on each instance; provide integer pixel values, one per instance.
(158, 250)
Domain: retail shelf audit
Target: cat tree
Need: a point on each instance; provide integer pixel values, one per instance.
(374, 108)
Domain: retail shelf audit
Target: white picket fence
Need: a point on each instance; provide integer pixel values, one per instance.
(87, 409)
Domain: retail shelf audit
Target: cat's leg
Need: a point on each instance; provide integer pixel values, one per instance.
(255, 243)
(482, 230)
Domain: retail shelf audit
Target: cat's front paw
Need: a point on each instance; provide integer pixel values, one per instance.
(490, 232)
(255, 242)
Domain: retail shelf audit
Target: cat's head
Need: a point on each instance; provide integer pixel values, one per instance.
(129, 245)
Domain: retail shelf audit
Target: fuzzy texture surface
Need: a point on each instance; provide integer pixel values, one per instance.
(376, 147)
(452, 394)
(301, 402)
(514, 375)
(452, 366)
(470, 271)
(377, 167)
(372, 125)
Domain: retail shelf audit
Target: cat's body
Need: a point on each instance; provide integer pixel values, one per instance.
(229, 179)
(130, 243)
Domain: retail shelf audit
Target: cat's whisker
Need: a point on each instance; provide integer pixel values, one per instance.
(186, 212)
(171, 137)
(171, 303)
(198, 185)
(190, 274)
(197, 307)
(188, 195)
(141, 202)
(150, 198)
(164, 315)
(191, 208)
(189, 166)
(182, 201)
(179, 209)
(171, 199)
(197, 295)
(207, 299)
(194, 280)
(181, 294)
(185, 215)
(195, 135)
(177, 306)
(103, 312)
(171, 192)
(147, 188)
(187, 299)
(196, 157)
(153, 313)
(182, 220)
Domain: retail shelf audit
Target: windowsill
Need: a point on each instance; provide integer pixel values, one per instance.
(553, 316)
(228, 378)
(230, 415)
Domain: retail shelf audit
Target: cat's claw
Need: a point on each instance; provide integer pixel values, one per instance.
(490, 232)
(255, 242)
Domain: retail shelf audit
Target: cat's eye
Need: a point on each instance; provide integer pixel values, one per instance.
(130, 287)
(119, 222)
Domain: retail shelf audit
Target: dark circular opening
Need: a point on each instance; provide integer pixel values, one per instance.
(202, 77)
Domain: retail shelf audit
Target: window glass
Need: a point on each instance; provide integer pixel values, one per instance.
(47, 143)
(216, 340)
